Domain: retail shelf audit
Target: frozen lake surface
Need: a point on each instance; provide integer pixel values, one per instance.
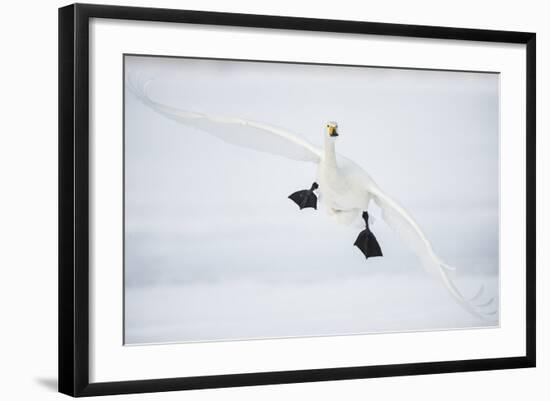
(243, 309)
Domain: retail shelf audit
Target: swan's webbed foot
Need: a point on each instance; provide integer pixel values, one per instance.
(366, 241)
(306, 198)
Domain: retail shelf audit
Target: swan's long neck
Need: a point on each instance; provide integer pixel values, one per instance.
(330, 152)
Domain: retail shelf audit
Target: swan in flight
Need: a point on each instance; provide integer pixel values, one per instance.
(344, 188)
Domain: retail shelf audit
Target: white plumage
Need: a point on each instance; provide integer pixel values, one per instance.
(345, 189)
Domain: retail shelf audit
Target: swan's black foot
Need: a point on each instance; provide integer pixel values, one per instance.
(306, 198)
(366, 241)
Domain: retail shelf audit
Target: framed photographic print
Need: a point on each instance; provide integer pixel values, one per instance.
(249, 199)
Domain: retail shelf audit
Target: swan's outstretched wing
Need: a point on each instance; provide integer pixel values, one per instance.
(245, 133)
(406, 227)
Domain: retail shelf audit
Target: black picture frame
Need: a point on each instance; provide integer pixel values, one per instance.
(74, 193)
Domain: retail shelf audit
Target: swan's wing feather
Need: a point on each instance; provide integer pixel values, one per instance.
(402, 223)
(410, 232)
(236, 131)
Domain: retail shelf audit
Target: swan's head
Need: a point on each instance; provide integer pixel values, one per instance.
(332, 129)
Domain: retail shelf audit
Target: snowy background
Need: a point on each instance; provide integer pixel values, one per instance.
(214, 250)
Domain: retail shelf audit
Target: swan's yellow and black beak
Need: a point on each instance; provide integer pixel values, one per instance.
(332, 129)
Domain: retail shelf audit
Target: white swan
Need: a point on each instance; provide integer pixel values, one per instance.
(345, 189)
